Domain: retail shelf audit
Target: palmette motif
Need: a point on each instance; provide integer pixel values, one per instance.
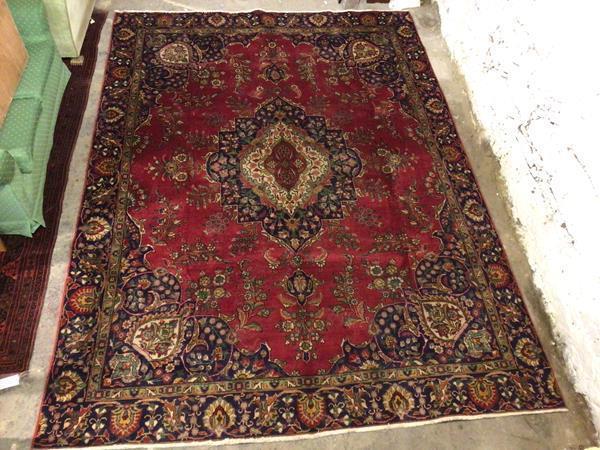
(281, 234)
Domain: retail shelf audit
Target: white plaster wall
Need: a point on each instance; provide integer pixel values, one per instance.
(532, 71)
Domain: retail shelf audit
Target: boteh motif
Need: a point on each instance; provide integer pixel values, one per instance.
(281, 234)
(311, 409)
(443, 319)
(125, 420)
(157, 339)
(363, 52)
(177, 54)
(219, 416)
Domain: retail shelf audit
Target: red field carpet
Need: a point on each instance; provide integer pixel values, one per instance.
(25, 267)
(281, 235)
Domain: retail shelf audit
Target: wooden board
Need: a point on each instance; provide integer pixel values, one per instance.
(13, 59)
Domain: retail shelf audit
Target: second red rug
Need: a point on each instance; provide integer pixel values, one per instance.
(25, 267)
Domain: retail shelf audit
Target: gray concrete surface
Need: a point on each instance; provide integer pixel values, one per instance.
(559, 430)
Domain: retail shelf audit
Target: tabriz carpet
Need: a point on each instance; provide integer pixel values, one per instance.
(25, 267)
(281, 234)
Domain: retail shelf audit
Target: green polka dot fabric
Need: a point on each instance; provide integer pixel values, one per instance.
(16, 136)
(33, 82)
(7, 167)
(30, 18)
(27, 134)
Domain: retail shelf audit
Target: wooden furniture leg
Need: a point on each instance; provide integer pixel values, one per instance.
(2, 246)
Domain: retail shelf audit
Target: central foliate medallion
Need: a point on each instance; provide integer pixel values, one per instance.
(284, 166)
(285, 169)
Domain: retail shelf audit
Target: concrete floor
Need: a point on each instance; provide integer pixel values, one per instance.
(559, 430)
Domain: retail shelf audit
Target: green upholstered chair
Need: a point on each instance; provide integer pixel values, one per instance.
(27, 134)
